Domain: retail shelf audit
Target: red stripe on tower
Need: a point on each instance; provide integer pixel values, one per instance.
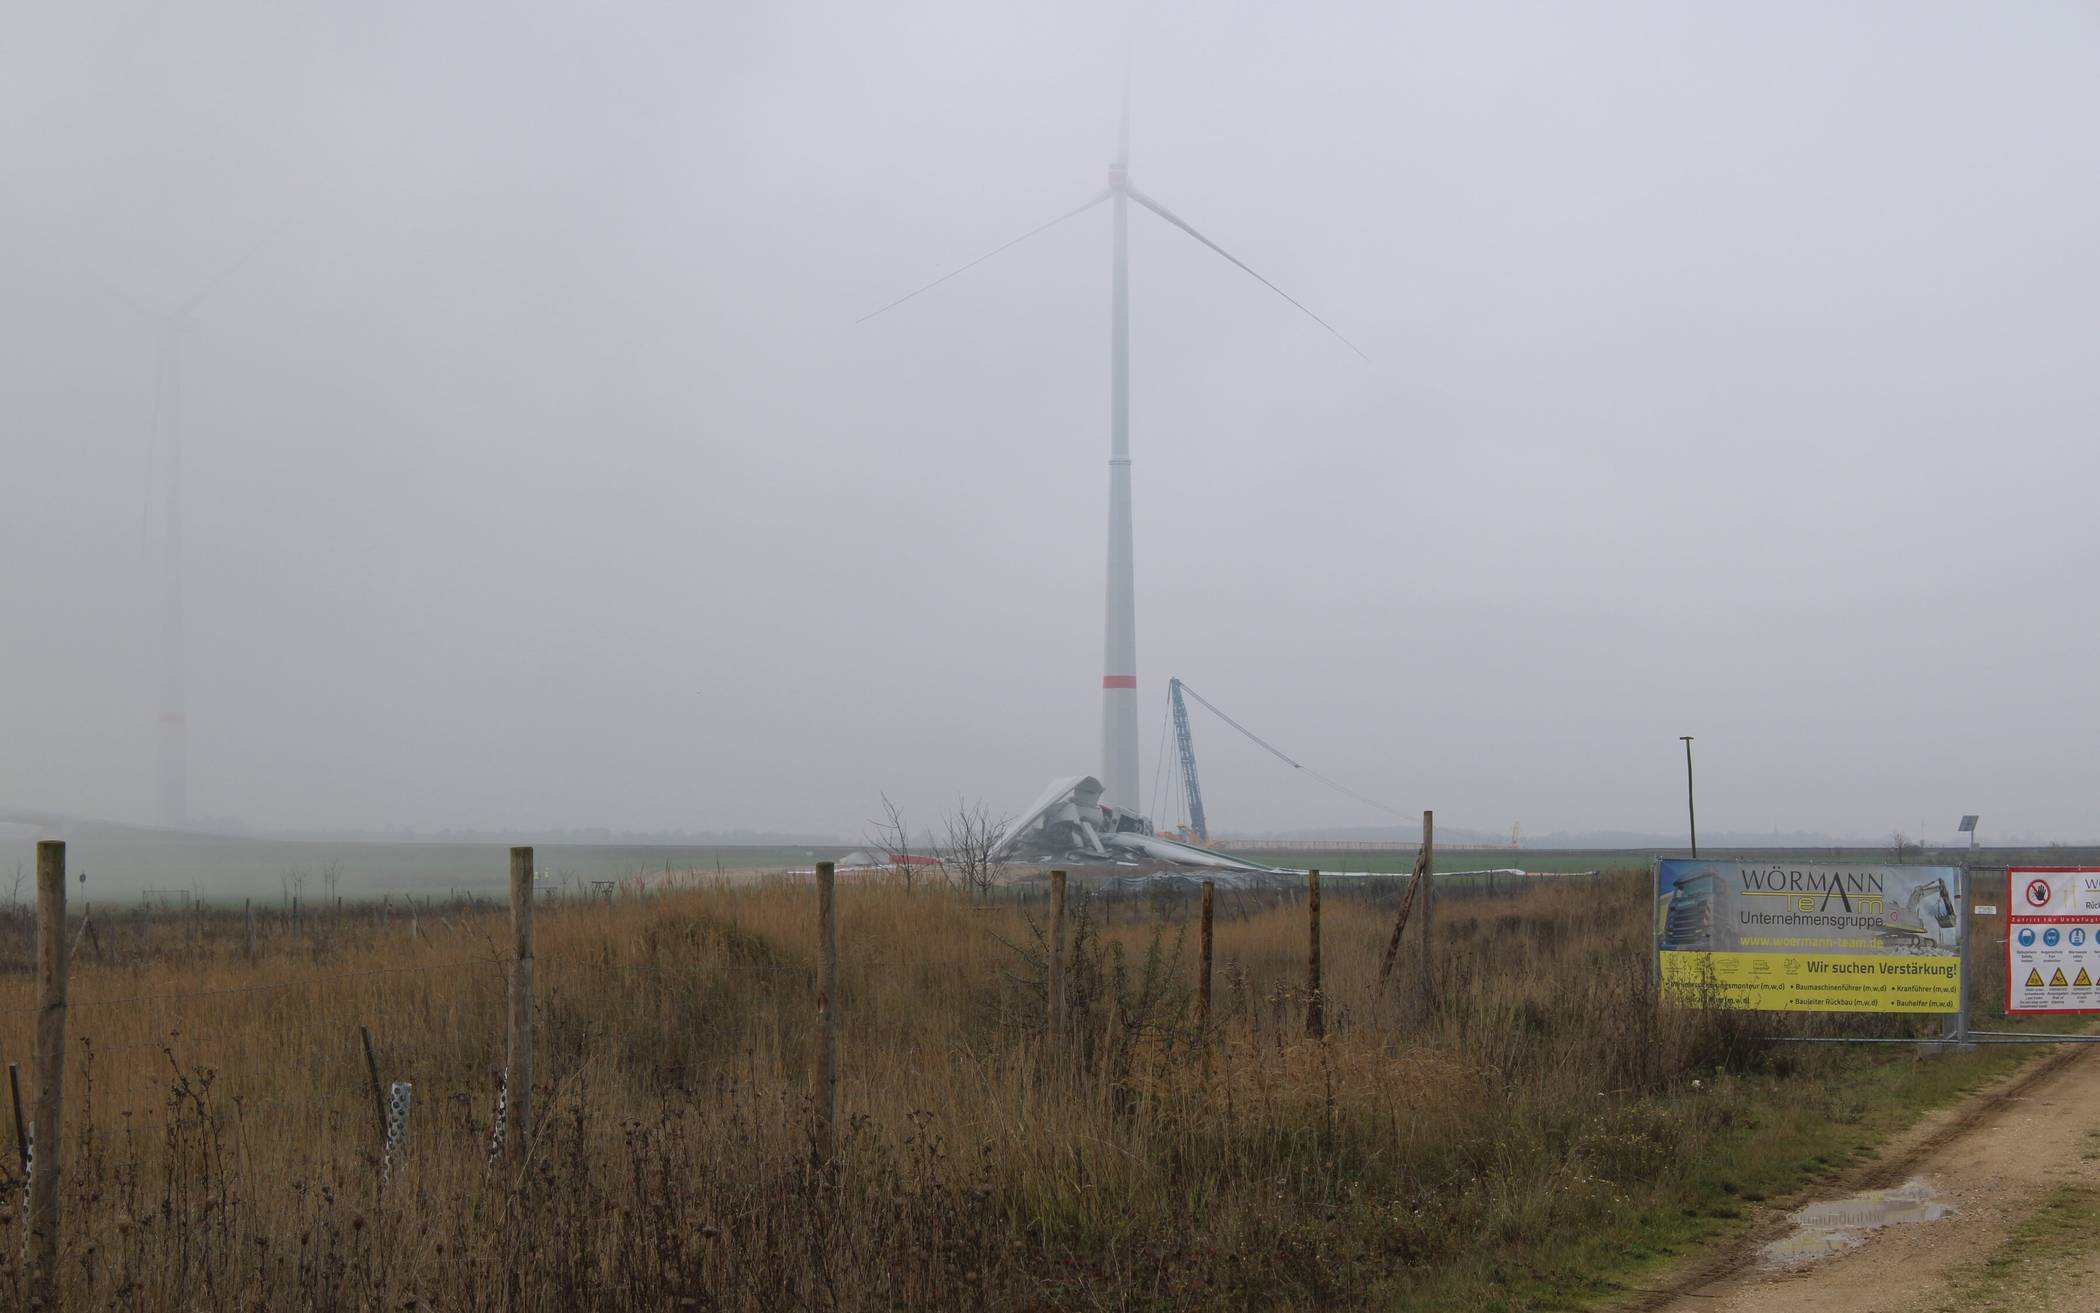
(1119, 681)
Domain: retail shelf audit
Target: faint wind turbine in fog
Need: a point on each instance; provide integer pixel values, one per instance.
(170, 327)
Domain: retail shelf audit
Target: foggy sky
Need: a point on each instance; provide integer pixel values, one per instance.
(1732, 373)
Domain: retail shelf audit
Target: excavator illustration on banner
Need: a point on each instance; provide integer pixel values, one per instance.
(1906, 924)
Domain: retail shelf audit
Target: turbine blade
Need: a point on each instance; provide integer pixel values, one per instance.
(1167, 214)
(1069, 214)
(226, 271)
(126, 299)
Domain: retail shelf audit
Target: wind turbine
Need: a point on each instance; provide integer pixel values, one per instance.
(1119, 717)
(171, 326)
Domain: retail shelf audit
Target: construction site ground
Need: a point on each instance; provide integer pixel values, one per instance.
(2017, 1163)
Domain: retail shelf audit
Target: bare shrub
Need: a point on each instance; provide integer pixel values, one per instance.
(890, 837)
(973, 836)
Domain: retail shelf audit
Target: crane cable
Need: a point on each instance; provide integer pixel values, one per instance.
(1290, 761)
(1159, 758)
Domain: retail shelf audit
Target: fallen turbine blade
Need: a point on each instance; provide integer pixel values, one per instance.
(1069, 214)
(1167, 214)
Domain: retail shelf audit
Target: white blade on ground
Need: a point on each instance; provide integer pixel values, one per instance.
(1069, 214)
(1164, 213)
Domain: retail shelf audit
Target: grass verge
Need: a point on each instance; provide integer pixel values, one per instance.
(1778, 1139)
(2046, 1261)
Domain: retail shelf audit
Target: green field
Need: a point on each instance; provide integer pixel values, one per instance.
(1459, 860)
(123, 865)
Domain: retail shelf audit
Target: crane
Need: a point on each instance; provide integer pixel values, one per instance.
(1188, 760)
(1180, 712)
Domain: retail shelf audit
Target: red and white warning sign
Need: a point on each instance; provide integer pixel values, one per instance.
(2052, 939)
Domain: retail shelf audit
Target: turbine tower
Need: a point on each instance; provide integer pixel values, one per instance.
(171, 747)
(1119, 716)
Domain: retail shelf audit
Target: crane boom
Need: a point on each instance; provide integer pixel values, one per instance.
(1188, 759)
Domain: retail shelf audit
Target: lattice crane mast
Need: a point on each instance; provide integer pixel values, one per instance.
(1188, 761)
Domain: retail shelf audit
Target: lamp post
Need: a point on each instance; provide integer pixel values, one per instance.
(1691, 812)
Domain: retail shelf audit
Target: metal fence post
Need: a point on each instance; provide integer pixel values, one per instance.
(14, 1090)
(1958, 1031)
(378, 1093)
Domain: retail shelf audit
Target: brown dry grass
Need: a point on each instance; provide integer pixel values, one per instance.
(222, 1154)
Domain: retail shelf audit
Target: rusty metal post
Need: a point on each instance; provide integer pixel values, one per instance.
(14, 1090)
(378, 1091)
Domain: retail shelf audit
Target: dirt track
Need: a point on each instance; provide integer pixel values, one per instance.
(1995, 1158)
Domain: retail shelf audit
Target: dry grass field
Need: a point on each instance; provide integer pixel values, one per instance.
(223, 1152)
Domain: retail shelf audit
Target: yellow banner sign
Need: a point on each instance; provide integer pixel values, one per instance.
(1814, 982)
(1809, 937)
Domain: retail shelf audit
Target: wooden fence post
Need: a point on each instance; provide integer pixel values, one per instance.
(1315, 1009)
(1428, 995)
(827, 1092)
(1055, 1002)
(47, 1129)
(1210, 890)
(518, 1075)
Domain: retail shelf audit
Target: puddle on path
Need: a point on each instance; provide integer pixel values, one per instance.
(1840, 1224)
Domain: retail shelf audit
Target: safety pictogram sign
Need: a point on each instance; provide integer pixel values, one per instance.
(2052, 940)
